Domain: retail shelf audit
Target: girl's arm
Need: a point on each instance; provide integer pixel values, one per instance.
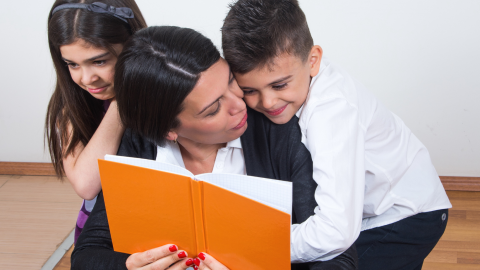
(81, 166)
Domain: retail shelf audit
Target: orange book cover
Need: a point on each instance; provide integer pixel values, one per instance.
(243, 221)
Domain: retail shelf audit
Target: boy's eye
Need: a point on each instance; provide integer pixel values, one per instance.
(279, 86)
(248, 92)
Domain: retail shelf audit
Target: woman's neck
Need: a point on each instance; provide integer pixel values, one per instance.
(198, 158)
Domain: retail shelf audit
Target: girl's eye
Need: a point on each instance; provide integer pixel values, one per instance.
(248, 92)
(279, 86)
(216, 111)
(72, 65)
(100, 62)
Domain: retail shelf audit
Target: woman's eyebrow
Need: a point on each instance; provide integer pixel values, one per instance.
(91, 58)
(208, 106)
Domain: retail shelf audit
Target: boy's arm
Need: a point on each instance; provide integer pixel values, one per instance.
(336, 144)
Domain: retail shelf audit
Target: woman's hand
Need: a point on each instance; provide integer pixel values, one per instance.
(207, 262)
(160, 258)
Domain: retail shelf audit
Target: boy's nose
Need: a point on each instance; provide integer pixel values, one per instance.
(268, 102)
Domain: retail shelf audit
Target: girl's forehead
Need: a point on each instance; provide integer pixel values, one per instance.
(80, 50)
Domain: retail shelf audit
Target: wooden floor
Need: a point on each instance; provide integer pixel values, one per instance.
(36, 214)
(459, 247)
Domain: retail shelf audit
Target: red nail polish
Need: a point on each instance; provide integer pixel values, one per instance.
(196, 261)
(172, 248)
(182, 254)
(195, 267)
(201, 256)
(189, 262)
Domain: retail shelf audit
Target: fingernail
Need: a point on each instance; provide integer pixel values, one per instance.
(201, 256)
(172, 248)
(195, 267)
(189, 262)
(196, 261)
(182, 254)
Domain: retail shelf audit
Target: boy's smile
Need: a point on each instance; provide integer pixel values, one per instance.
(278, 90)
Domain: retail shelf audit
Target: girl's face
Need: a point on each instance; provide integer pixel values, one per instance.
(91, 68)
(214, 111)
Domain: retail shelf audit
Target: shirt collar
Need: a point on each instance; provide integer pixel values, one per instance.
(237, 143)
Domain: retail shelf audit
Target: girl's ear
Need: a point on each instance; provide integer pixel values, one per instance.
(314, 59)
(172, 136)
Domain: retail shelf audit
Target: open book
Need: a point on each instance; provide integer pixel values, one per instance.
(243, 221)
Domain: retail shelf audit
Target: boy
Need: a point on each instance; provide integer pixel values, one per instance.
(375, 178)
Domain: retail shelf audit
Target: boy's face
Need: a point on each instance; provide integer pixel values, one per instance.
(279, 90)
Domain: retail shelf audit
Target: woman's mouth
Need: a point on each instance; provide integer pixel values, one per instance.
(277, 111)
(242, 123)
(96, 90)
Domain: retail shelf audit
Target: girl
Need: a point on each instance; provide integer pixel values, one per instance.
(82, 122)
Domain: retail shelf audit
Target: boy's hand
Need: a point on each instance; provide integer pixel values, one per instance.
(207, 262)
(160, 258)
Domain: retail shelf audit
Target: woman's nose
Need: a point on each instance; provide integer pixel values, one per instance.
(237, 104)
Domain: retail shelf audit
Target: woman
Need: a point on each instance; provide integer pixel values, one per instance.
(85, 39)
(182, 106)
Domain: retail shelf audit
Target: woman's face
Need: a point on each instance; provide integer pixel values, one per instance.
(91, 68)
(214, 111)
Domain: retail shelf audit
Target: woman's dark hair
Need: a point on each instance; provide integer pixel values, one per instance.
(158, 68)
(256, 31)
(70, 105)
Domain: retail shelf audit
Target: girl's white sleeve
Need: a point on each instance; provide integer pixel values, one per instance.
(336, 142)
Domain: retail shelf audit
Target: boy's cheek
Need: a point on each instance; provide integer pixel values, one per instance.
(251, 102)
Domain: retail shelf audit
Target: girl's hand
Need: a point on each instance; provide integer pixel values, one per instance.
(160, 258)
(207, 262)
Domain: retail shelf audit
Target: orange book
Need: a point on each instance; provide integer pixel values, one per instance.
(243, 221)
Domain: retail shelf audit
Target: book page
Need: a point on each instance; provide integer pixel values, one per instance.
(150, 164)
(274, 193)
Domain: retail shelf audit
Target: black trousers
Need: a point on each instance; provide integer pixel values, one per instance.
(402, 245)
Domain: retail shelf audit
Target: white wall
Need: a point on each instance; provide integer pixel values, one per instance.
(419, 57)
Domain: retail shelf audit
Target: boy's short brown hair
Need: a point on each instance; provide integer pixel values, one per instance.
(256, 31)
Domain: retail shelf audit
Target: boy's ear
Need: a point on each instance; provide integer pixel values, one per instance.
(314, 59)
(171, 136)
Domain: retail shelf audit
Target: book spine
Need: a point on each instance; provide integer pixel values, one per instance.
(197, 187)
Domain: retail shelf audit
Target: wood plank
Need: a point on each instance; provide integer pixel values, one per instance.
(469, 258)
(442, 256)
(460, 246)
(26, 168)
(461, 183)
(449, 266)
(464, 196)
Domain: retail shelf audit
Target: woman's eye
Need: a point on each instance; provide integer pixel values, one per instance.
(248, 92)
(279, 86)
(216, 111)
(100, 62)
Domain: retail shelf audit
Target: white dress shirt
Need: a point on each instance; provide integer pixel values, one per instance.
(370, 169)
(229, 158)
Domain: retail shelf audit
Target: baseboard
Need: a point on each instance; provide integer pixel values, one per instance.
(461, 183)
(26, 168)
(37, 168)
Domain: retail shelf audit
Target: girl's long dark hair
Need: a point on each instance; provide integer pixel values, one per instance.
(70, 105)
